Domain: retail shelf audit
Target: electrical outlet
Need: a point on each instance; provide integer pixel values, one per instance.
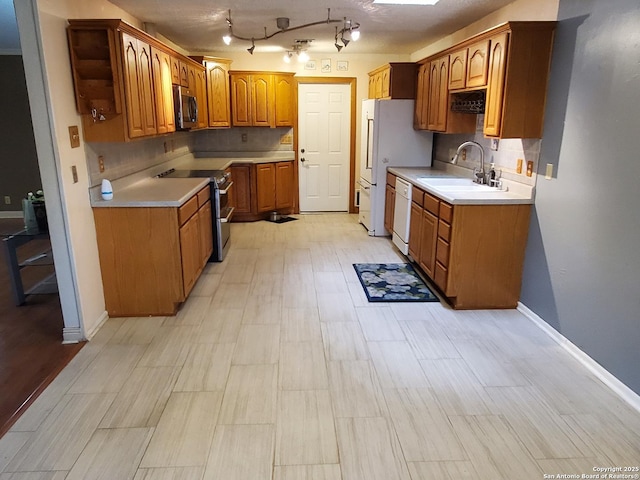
(286, 139)
(494, 144)
(7, 200)
(463, 154)
(529, 168)
(519, 166)
(74, 173)
(101, 163)
(244, 138)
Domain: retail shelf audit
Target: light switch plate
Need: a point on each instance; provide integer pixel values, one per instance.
(519, 166)
(74, 136)
(549, 171)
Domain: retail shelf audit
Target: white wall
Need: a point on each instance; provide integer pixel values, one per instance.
(77, 246)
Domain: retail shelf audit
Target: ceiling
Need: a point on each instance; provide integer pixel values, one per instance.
(198, 25)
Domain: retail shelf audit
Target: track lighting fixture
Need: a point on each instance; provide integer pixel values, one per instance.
(349, 27)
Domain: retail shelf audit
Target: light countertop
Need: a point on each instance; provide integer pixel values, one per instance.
(154, 192)
(144, 189)
(515, 193)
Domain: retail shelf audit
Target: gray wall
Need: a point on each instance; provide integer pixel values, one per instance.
(582, 268)
(18, 158)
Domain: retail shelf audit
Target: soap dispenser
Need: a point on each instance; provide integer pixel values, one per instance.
(492, 175)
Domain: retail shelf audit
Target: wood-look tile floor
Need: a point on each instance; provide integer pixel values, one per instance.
(277, 368)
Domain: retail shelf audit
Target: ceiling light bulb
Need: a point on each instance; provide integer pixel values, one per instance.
(227, 39)
(355, 35)
(303, 57)
(287, 58)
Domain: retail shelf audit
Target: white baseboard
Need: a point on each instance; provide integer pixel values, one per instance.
(11, 214)
(606, 377)
(103, 318)
(71, 335)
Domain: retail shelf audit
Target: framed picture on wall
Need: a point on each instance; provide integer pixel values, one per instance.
(342, 65)
(310, 65)
(325, 65)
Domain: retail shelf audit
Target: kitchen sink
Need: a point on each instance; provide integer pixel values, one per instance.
(456, 185)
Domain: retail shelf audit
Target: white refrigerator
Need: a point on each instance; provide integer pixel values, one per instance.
(387, 139)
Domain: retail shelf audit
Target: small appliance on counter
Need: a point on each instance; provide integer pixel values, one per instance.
(387, 140)
(221, 211)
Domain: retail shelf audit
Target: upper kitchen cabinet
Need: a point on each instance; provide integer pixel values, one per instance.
(198, 85)
(519, 61)
(420, 119)
(261, 99)
(393, 80)
(218, 93)
(439, 116)
(161, 64)
(123, 78)
(283, 96)
(502, 73)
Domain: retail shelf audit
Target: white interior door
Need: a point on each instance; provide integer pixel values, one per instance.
(324, 129)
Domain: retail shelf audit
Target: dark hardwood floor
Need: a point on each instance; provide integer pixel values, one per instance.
(31, 350)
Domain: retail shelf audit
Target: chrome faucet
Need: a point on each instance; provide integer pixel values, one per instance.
(478, 173)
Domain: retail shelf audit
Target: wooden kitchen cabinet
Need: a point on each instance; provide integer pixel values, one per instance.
(138, 86)
(252, 99)
(421, 117)
(284, 89)
(389, 202)
(284, 185)
(266, 179)
(163, 92)
(262, 188)
(509, 64)
(120, 81)
(438, 94)
(274, 186)
(477, 64)
(198, 85)
(243, 185)
(218, 93)
(458, 69)
(473, 253)
(393, 80)
(262, 99)
(150, 257)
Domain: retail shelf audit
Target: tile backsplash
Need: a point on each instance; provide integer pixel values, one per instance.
(122, 159)
(256, 139)
(505, 158)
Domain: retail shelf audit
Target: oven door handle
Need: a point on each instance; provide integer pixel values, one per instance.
(229, 215)
(224, 192)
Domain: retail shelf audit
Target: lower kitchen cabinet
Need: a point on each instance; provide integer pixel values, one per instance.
(473, 253)
(389, 202)
(150, 257)
(262, 188)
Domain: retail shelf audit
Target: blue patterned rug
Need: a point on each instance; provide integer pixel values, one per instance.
(392, 282)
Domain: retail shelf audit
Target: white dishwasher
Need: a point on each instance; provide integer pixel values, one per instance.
(401, 215)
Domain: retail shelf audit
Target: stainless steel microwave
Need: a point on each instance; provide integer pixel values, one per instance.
(185, 107)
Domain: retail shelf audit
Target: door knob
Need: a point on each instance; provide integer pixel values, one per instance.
(302, 150)
(302, 159)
